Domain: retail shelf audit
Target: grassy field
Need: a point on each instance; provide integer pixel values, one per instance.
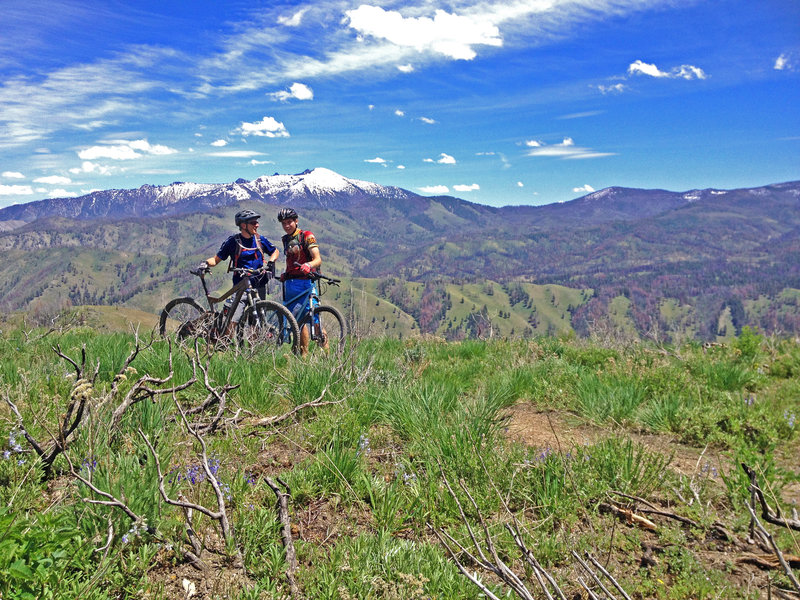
(157, 464)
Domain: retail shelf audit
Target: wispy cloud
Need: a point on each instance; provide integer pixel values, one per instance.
(235, 154)
(219, 143)
(473, 187)
(428, 120)
(13, 175)
(584, 189)
(566, 149)
(616, 88)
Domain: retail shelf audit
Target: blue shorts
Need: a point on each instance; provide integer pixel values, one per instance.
(293, 288)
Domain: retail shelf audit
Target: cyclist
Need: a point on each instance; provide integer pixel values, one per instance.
(247, 250)
(302, 257)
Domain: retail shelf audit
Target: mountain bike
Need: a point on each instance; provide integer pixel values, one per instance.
(326, 324)
(263, 322)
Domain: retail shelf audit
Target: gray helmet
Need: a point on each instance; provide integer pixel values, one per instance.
(245, 215)
(286, 213)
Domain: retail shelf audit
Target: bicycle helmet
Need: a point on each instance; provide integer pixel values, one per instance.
(286, 213)
(245, 215)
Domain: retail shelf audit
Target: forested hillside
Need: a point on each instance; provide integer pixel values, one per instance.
(698, 264)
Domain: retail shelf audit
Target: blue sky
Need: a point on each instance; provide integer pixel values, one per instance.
(494, 101)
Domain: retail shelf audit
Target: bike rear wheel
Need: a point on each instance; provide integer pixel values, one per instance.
(184, 318)
(332, 332)
(270, 325)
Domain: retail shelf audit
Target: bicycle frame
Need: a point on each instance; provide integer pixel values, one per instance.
(310, 302)
(238, 290)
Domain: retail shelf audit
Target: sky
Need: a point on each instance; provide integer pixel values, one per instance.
(499, 102)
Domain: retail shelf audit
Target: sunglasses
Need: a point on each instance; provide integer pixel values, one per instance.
(251, 222)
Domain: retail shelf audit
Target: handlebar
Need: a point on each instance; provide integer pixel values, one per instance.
(318, 275)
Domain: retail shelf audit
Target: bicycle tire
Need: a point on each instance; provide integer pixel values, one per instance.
(184, 318)
(268, 324)
(333, 325)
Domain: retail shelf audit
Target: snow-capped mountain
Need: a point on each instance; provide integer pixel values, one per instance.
(319, 188)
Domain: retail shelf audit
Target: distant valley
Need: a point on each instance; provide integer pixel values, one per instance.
(699, 264)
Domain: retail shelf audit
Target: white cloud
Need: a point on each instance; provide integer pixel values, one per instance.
(401, 166)
(15, 190)
(466, 188)
(520, 184)
(427, 120)
(639, 67)
(434, 189)
(219, 143)
(235, 154)
(255, 162)
(298, 91)
(90, 167)
(53, 180)
(112, 152)
(448, 34)
(784, 63)
(148, 148)
(377, 160)
(124, 150)
(444, 159)
(585, 189)
(405, 68)
(564, 150)
(60, 193)
(13, 175)
(399, 113)
(266, 127)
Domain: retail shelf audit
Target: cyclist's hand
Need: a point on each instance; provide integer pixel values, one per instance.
(305, 268)
(271, 267)
(201, 268)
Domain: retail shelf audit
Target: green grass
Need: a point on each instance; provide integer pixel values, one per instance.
(367, 471)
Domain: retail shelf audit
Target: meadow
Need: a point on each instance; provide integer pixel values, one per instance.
(405, 468)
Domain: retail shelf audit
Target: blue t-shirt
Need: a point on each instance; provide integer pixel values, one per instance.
(249, 257)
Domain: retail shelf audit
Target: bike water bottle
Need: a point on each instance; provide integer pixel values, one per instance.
(226, 308)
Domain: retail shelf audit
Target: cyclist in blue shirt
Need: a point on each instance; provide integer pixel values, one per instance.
(247, 250)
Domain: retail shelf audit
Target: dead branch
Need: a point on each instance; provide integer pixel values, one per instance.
(786, 568)
(286, 533)
(627, 515)
(770, 516)
(220, 514)
(78, 401)
(141, 390)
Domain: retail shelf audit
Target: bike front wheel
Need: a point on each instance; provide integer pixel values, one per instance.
(331, 333)
(268, 324)
(184, 318)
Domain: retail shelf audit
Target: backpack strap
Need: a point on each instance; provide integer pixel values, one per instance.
(239, 247)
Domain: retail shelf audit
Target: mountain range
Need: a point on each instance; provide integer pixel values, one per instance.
(703, 261)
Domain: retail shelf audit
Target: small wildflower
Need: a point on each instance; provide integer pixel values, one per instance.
(750, 400)
(790, 418)
(125, 538)
(6, 454)
(363, 445)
